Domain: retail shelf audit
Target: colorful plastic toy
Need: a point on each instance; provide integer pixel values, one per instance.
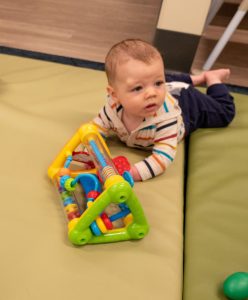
(236, 286)
(99, 203)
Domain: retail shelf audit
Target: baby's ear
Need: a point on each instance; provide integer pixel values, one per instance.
(111, 92)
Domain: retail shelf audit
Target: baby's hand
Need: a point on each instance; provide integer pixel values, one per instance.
(135, 174)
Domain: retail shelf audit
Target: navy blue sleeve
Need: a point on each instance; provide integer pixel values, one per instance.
(178, 77)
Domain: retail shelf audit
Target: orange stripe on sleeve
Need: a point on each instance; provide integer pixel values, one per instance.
(159, 162)
(144, 138)
(170, 98)
(164, 144)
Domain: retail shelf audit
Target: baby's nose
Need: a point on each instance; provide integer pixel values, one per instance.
(151, 92)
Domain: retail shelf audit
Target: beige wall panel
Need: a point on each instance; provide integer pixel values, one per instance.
(184, 16)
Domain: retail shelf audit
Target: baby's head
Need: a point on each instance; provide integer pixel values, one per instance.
(136, 78)
(126, 50)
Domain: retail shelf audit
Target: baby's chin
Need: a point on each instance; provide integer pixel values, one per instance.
(149, 115)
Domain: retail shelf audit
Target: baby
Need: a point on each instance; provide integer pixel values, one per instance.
(148, 111)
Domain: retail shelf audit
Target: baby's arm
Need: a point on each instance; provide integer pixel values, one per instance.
(163, 154)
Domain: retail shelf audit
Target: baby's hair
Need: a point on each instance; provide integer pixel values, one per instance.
(126, 49)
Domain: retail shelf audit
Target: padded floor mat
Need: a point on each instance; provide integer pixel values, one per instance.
(217, 206)
(41, 106)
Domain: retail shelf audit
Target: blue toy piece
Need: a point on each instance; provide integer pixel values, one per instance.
(128, 177)
(119, 215)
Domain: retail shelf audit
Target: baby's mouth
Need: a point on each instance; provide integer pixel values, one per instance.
(150, 106)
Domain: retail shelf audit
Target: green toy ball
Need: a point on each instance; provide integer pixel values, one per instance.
(236, 286)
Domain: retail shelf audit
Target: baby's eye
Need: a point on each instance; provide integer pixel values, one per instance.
(137, 88)
(159, 82)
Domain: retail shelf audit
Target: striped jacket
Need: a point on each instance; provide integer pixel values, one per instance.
(159, 133)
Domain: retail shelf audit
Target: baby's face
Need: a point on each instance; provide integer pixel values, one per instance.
(139, 87)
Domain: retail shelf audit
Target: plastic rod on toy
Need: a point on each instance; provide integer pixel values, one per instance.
(102, 160)
(98, 154)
